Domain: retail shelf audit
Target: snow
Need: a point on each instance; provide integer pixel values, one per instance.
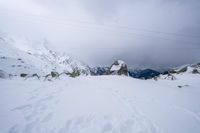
(117, 67)
(36, 57)
(92, 104)
(98, 104)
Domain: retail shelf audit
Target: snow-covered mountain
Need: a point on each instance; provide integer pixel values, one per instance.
(180, 72)
(97, 71)
(167, 74)
(119, 67)
(189, 68)
(143, 73)
(93, 104)
(22, 56)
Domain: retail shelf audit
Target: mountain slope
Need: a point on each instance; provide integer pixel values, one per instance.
(18, 56)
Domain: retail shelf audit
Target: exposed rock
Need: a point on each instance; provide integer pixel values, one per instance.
(156, 78)
(197, 65)
(54, 74)
(3, 57)
(181, 86)
(172, 71)
(74, 74)
(64, 73)
(23, 75)
(176, 71)
(3, 75)
(98, 70)
(195, 71)
(184, 69)
(144, 74)
(51, 75)
(35, 75)
(170, 77)
(118, 68)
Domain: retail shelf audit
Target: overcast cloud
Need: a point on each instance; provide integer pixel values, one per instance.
(151, 33)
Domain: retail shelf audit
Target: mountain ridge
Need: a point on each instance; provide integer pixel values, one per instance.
(17, 57)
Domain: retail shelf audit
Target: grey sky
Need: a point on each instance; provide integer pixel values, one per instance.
(142, 32)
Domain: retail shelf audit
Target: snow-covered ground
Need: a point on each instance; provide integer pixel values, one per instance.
(100, 104)
(22, 56)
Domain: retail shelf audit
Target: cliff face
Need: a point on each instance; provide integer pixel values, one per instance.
(118, 68)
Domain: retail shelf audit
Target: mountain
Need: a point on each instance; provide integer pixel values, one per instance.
(169, 74)
(143, 74)
(22, 56)
(190, 68)
(97, 71)
(119, 67)
(92, 104)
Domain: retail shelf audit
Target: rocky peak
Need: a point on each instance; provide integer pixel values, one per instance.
(119, 67)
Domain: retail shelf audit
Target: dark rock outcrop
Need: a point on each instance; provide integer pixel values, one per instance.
(184, 69)
(170, 77)
(118, 68)
(195, 71)
(96, 71)
(144, 74)
(23, 75)
(3, 75)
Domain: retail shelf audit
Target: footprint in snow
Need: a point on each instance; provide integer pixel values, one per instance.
(30, 127)
(47, 98)
(107, 128)
(23, 107)
(47, 118)
(13, 129)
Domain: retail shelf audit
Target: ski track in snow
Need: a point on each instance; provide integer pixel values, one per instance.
(37, 111)
(86, 105)
(150, 126)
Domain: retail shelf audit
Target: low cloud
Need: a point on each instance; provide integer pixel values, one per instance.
(157, 33)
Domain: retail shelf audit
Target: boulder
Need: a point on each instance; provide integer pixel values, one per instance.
(170, 77)
(3, 75)
(23, 75)
(183, 69)
(54, 74)
(195, 71)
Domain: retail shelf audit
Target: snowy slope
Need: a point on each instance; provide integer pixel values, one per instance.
(22, 56)
(191, 69)
(101, 104)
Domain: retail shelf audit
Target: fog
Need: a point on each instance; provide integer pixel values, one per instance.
(146, 33)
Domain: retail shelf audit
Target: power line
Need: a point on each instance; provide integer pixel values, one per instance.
(119, 26)
(102, 27)
(113, 25)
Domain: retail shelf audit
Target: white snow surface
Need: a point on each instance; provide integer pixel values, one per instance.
(100, 104)
(24, 56)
